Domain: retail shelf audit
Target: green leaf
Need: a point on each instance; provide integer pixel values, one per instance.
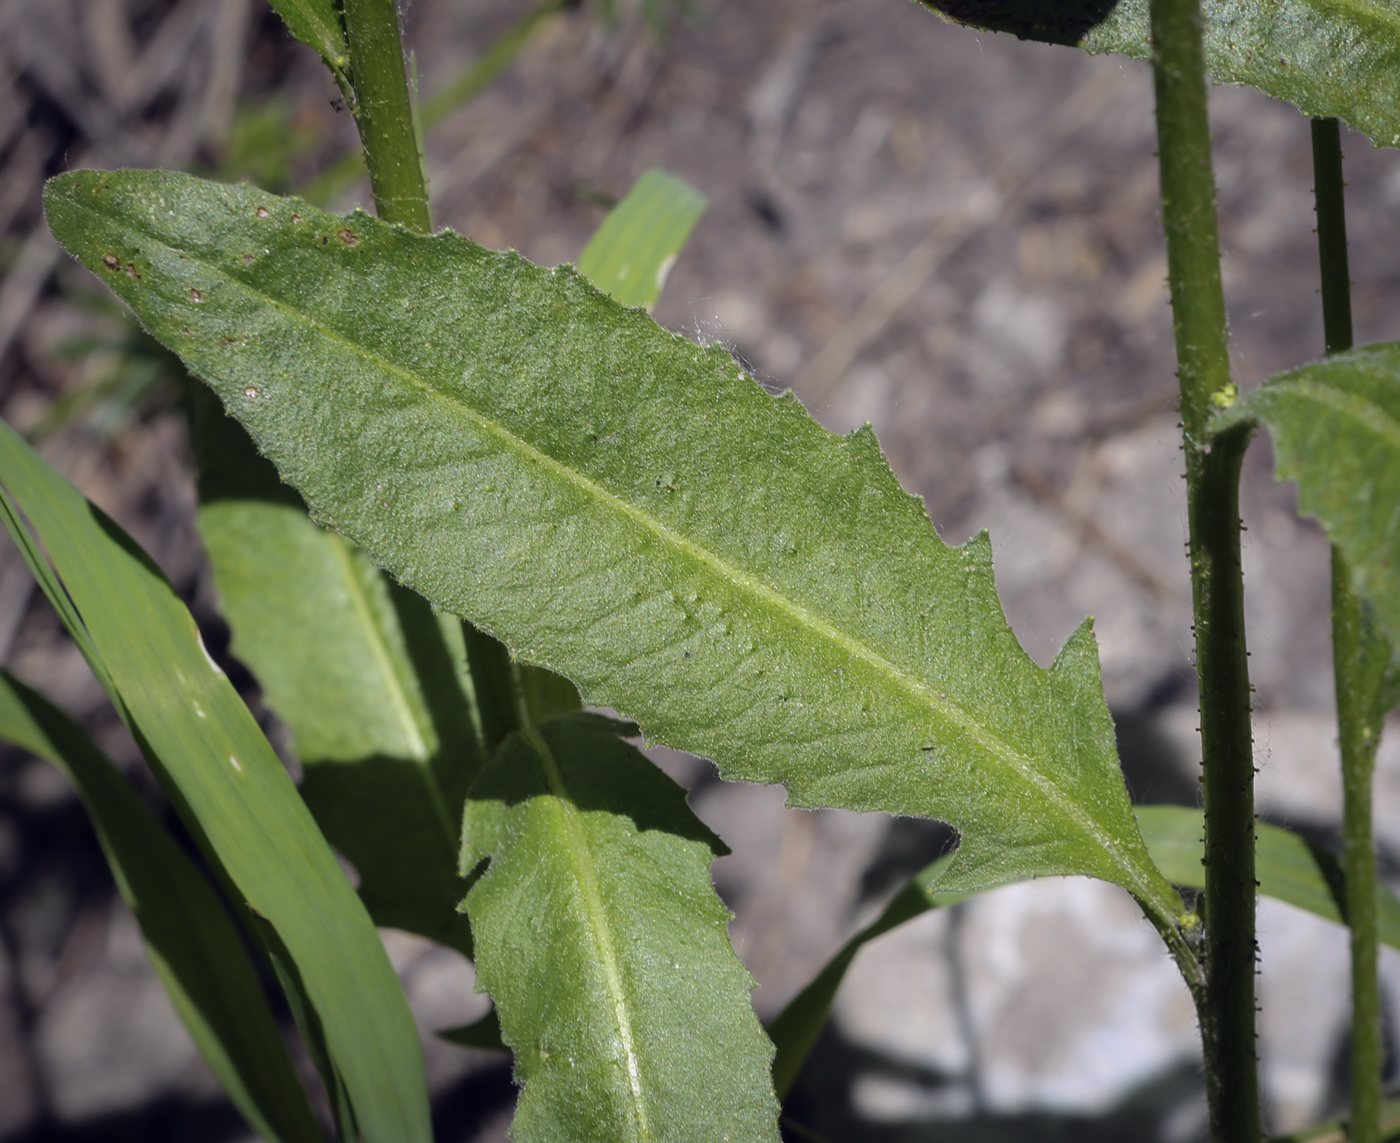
(1336, 432)
(634, 249)
(1288, 868)
(604, 947)
(194, 945)
(1327, 57)
(318, 24)
(633, 511)
(1338, 1130)
(367, 678)
(232, 790)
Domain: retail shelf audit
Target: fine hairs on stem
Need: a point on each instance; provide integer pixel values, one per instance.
(1227, 1010)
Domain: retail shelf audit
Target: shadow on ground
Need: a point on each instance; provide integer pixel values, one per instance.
(1168, 1107)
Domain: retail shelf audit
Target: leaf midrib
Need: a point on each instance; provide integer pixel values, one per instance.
(599, 928)
(993, 744)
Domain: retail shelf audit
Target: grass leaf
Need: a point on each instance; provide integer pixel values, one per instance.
(230, 787)
(370, 682)
(1288, 867)
(193, 943)
(632, 252)
(602, 942)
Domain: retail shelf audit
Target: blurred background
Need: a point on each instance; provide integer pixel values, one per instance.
(952, 236)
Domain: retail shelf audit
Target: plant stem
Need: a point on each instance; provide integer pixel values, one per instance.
(1329, 191)
(1358, 747)
(384, 114)
(457, 91)
(1217, 588)
(1354, 717)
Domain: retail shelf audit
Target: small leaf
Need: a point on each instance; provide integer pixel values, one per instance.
(1327, 57)
(231, 789)
(633, 511)
(318, 24)
(632, 252)
(194, 945)
(1335, 426)
(601, 940)
(367, 678)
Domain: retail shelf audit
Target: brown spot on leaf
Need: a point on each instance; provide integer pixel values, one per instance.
(262, 212)
(111, 261)
(296, 218)
(347, 236)
(247, 259)
(131, 272)
(196, 296)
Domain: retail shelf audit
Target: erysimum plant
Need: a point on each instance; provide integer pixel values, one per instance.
(458, 498)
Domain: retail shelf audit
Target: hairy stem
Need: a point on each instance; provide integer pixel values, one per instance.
(384, 114)
(1217, 588)
(1354, 722)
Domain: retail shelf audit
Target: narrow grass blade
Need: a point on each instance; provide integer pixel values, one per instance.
(1288, 868)
(193, 943)
(795, 1030)
(601, 940)
(633, 511)
(370, 682)
(1327, 57)
(634, 249)
(212, 759)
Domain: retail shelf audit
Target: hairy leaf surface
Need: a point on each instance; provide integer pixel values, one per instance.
(1335, 426)
(370, 682)
(1326, 57)
(224, 777)
(632, 510)
(605, 949)
(193, 943)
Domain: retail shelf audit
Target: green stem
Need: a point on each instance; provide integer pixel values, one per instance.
(1217, 588)
(1358, 744)
(1354, 717)
(464, 87)
(384, 114)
